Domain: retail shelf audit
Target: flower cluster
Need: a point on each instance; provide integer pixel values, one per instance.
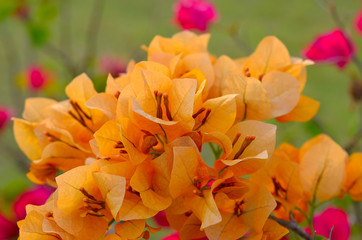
(123, 155)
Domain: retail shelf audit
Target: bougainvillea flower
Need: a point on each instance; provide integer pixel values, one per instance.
(5, 116)
(112, 66)
(8, 228)
(322, 161)
(252, 144)
(242, 215)
(331, 47)
(188, 185)
(195, 14)
(184, 52)
(272, 230)
(281, 176)
(37, 78)
(36, 196)
(39, 224)
(358, 22)
(271, 55)
(353, 183)
(332, 222)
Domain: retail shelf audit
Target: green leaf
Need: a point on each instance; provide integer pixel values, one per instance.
(46, 12)
(39, 33)
(7, 8)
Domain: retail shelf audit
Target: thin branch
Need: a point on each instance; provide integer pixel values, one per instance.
(63, 57)
(92, 33)
(340, 24)
(12, 59)
(292, 225)
(357, 210)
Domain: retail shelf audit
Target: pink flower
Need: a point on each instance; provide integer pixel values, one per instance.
(5, 116)
(195, 14)
(113, 66)
(37, 78)
(35, 196)
(175, 236)
(161, 219)
(8, 228)
(358, 22)
(332, 47)
(332, 217)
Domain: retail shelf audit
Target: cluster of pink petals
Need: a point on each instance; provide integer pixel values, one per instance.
(332, 218)
(175, 236)
(35, 196)
(5, 116)
(195, 14)
(331, 47)
(37, 78)
(113, 66)
(358, 22)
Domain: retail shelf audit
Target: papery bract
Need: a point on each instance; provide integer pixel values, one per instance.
(353, 183)
(332, 47)
(195, 14)
(322, 161)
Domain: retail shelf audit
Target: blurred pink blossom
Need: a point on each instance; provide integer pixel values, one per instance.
(161, 219)
(195, 14)
(332, 217)
(37, 78)
(113, 66)
(358, 22)
(5, 116)
(35, 196)
(175, 236)
(8, 228)
(331, 47)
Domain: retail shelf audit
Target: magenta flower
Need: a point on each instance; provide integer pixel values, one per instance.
(358, 22)
(161, 220)
(332, 217)
(113, 66)
(35, 196)
(175, 236)
(195, 14)
(8, 228)
(332, 47)
(5, 116)
(37, 78)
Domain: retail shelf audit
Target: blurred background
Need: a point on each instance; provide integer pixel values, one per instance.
(49, 42)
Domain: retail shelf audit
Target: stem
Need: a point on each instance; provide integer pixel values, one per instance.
(62, 57)
(357, 210)
(92, 33)
(355, 139)
(337, 20)
(292, 225)
(12, 59)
